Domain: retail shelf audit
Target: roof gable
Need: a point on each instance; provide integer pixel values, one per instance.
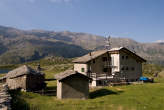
(86, 58)
(68, 73)
(123, 49)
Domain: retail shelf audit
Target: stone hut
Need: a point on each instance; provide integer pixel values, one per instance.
(25, 78)
(72, 84)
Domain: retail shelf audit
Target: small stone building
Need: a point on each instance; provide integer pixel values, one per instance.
(25, 78)
(71, 84)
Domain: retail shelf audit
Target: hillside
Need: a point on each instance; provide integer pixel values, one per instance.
(20, 46)
(17, 46)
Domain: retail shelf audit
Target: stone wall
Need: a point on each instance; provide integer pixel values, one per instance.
(130, 67)
(27, 82)
(35, 82)
(5, 98)
(16, 83)
(73, 87)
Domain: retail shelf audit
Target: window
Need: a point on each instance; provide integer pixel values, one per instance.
(82, 70)
(126, 57)
(94, 61)
(105, 69)
(133, 68)
(127, 68)
(122, 68)
(99, 82)
(104, 59)
(122, 57)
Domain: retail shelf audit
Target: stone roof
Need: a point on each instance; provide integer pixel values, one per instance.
(92, 55)
(68, 73)
(23, 70)
(86, 58)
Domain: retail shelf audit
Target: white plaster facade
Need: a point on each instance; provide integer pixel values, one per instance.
(78, 67)
(115, 62)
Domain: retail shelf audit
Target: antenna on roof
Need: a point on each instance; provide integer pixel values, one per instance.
(108, 43)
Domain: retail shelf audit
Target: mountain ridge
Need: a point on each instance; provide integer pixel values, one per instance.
(17, 46)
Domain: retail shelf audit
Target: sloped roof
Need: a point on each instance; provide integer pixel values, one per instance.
(87, 57)
(68, 73)
(23, 70)
(129, 52)
(116, 49)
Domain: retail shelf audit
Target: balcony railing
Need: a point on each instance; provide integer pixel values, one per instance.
(109, 64)
(100, 76)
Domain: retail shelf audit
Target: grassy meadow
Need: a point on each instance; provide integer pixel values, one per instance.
(147, 96)
(1, 75)
(132, 97)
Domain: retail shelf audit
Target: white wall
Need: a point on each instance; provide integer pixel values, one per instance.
(115, 61)
(59, 90)
(78, 67)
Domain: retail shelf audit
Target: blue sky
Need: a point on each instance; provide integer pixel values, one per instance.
(141, 20)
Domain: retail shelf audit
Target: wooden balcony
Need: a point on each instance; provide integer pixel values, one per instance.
(102, 76)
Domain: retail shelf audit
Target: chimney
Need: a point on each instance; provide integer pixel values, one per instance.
(38, 68)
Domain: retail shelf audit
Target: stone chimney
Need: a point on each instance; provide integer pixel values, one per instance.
(38, 68)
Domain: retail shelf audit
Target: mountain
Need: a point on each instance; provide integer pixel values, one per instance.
(17, 46)
(160, 41)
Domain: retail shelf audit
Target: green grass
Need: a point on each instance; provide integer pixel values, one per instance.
(1, 75)
(147, 96)
(50, 66)
(54, 69)
(11, 66)
(161, 74)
